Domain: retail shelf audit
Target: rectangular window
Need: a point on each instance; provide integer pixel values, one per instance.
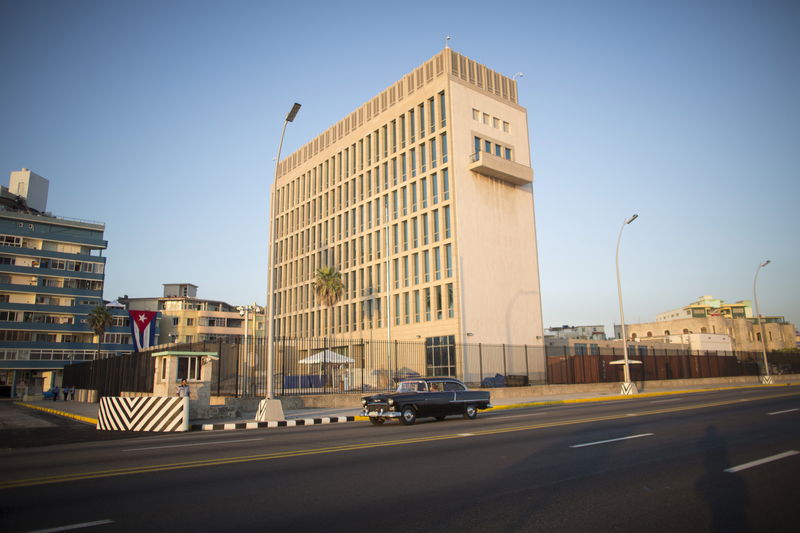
(423, 192)
(437, 264)
(487, 147)
(396, 272)
(422, 161)
(411, 126)
(394, 238)
(425, 228)
(426, 266)
(448, 256)
(446, 214)
(438, 290)
(394, 204)
(415, 265)
(414, 232)
(497, 150)
(414, 197)
(394, 136)
(406, 307)
(445, 184)
(476, 115)
(435, 188)
(405, 235)
(416, 306)
(442, 111)
(508, 154)
(404, 201)
(396, 309)
(433, 153)
(421, 120)
(402, 131)
(450, 301)
(413, 164)
(427, 304)
(435, 217)
(477, 145)
(405, 271)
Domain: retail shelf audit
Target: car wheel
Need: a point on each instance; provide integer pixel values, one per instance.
(376, 421)
(408, 416)
(470, 412)
(440, 418)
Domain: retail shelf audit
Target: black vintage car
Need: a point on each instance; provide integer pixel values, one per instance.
(425, 397)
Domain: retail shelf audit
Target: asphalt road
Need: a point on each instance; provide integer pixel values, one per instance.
(652, 464)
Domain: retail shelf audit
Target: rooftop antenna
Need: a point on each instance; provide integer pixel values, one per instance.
(447, 41)
(517, 75)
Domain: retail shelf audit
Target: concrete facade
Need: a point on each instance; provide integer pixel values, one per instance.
(445, 153)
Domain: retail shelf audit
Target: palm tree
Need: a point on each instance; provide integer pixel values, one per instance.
(328, 286)
(99, 320)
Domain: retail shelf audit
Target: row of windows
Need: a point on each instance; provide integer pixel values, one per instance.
(409, 270)
(54, 264)
(410, 307)
(404, 202)
(489, 120)
(372, 148)
(36, 318)
(367, 186)
(489, 147)
(417, 232)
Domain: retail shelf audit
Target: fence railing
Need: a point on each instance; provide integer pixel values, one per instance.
(330, 366)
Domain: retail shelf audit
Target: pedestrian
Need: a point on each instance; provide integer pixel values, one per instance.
(65, 391)
(55, 393)
(183, 389)
(72, 393)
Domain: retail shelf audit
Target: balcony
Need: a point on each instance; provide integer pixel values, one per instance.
(496, 167)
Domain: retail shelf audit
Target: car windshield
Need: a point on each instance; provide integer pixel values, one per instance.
(411, 386)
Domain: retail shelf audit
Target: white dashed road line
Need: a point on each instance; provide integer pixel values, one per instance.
(611, 440)
(760, 462)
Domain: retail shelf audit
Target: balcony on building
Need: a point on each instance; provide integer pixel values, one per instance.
(494, 166)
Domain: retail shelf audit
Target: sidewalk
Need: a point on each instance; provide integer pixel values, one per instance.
(88, 412)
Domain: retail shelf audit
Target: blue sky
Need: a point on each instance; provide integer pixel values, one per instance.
(162, 119)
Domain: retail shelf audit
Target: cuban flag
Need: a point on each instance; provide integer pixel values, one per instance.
(143, 329)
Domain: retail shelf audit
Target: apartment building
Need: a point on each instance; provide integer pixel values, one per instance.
(183, 317)
(51, 276)
(422, 199)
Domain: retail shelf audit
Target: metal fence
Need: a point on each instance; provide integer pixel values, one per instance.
(328, 366)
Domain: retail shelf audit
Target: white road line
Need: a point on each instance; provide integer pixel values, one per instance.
(670, 400)
(782, 412)
(466, 434)
(193, 444)
(74, 526)
(611, 440)
(759, 462)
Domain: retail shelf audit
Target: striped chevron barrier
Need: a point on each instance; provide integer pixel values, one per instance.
(143, 414)
(275, 424)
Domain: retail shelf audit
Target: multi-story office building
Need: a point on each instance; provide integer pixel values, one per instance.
(183, 317)
(51, 276)
(422, 199)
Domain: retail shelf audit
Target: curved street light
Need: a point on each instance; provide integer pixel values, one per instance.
(766, 378)
(628, 387)
(269, 308)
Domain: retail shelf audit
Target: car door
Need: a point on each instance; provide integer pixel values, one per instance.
(437, 400)
(455, 391)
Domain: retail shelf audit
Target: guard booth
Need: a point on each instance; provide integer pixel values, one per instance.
(164, 410)
(173, 366)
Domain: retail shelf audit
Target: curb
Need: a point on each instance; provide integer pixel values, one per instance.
(275, 424)
(64, 414)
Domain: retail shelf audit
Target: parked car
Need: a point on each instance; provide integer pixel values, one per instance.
(48, 394)
(436, 397)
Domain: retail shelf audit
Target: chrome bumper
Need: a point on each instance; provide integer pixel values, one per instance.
(380, 413)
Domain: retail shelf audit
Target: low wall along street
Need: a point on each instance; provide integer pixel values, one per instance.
(143, 414)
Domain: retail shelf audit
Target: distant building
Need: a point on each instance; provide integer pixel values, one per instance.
(186, 318)
(576, 332)
(708, 306)
(51, 276)
(712, 316)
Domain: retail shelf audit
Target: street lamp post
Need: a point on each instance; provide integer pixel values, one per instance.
(628, 387)
(766, 379)
(274, 409)
(249, 355)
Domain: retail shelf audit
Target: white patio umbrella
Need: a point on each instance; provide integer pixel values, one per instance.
(326, 356)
